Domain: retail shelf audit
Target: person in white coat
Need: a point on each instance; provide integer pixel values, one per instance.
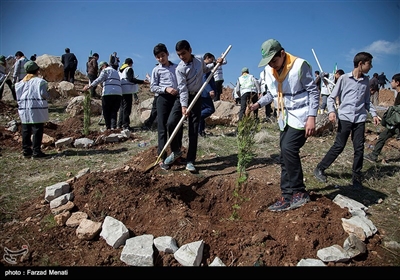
(249, 89)
(111, 95)
(33, 110)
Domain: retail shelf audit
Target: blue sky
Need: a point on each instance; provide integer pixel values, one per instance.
(335, 30)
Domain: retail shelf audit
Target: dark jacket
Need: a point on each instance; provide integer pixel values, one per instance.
(93, 67)
(69, 60)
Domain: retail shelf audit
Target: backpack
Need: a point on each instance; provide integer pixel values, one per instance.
(391, 117)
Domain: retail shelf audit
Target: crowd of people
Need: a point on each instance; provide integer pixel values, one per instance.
(298, 95)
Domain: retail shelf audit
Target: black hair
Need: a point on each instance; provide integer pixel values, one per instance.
(67, 50)
(317, 72)
(19, 53)
(396, 77)
(340, 72)
(182, 45)
(208, 55)
(159, 48)
(96, 54)
(362, 57)
(128, 60)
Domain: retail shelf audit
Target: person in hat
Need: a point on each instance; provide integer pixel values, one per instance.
(4, 78)
(249, 89)
(290, 84)
(130, 86)
(111, 95)
(33, 110)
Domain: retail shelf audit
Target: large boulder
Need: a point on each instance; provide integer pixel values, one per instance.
(51, 68)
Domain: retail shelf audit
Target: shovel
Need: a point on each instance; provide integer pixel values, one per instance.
(150, 166)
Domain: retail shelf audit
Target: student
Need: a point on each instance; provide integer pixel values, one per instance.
(207, 96)
(388, 132)
(374, 88)
(33, 110)
(163, 83)
(290, 84)
(270, 114)
(189, 75)
(249, 89)
(353, 91)
(325, 90)
(129, 85)
(19, 70)
(111, 95)
(219, 79)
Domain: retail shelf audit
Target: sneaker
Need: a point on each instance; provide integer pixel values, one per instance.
(190, 167)
(281, 205)
(145, 127)
(320, 175)
(299, 199)
(163, 166)
(40, 155)
(370, 158)
(172, 157)
(202, 134)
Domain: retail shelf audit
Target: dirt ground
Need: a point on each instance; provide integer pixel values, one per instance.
(188, 207)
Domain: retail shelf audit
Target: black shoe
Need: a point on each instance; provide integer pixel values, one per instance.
(145, 127)
(27, 154)
(320, 175)
(370, 158)
(40, 155)
(357, 185)
(202, 134)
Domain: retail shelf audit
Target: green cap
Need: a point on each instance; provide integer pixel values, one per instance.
(31, 66)
(102, 63)
(268, 49)
(245, 69)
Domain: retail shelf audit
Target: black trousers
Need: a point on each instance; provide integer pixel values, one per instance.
(10, 85)
(219, 87)
(193, 128)
(69, 75)
(169, 113)
(291, 140)
(244, 102)
(32, 146)
(110, 105)
(345, 128)
(125, 110)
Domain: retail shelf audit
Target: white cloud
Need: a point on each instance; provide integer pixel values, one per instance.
(383, 47)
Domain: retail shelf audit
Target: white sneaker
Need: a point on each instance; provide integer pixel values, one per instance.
(190, 167)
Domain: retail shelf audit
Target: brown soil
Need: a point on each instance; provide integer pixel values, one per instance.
(188, 207)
